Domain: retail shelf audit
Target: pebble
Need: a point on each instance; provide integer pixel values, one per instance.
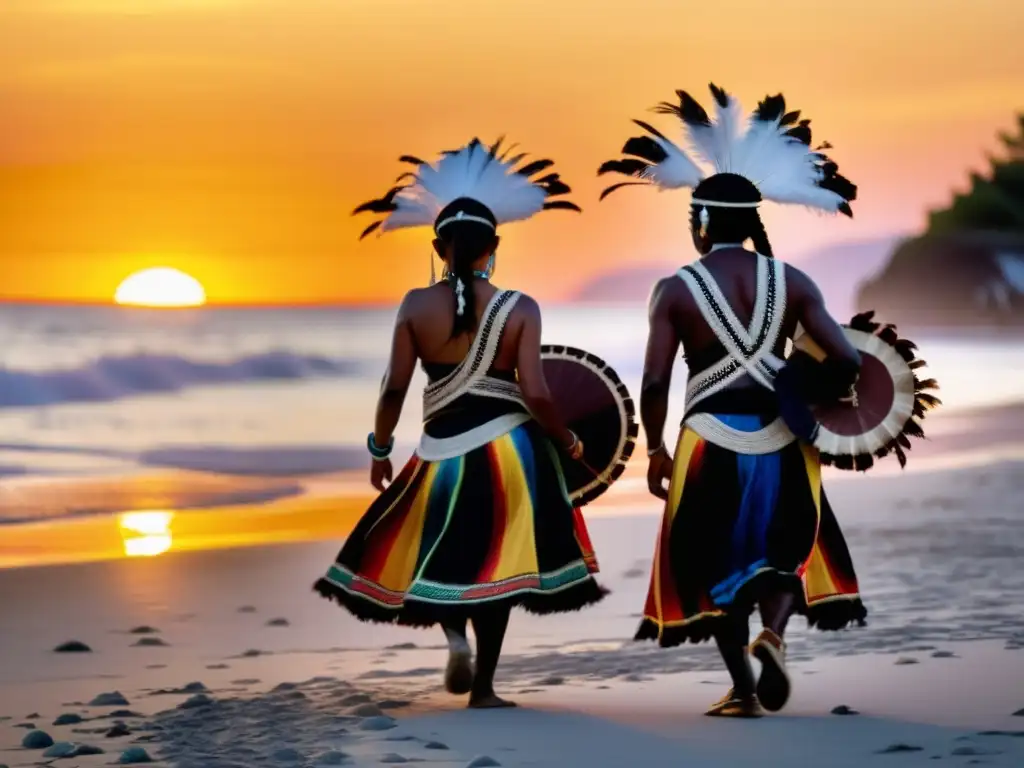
(134, 755)
(68, 718)
(392, 757)
(37, 740)
(61, 749)
(119, 729)
(943, 655)
(435, 745)
(251, 653)
(247, 609)
(482, 761)
(88, 749)
(279, 622)
(124, 713)
(842, 709)
(33, 716)
(288, 755)
(112, 699)
(905, 660)
(73, 646)
(194, 702)
(553, 680)
(143, 630)
(394, 704)
(150, 642)
(217, 666)
(30, 726)
(894, 748)
(382, 723)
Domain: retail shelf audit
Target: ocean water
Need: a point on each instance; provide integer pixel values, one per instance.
(244, 392)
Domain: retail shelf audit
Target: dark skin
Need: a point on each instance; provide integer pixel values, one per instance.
(423, 332)
(675, 319)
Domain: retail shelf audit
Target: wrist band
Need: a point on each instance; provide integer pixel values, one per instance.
(376, 452)
(652, 451)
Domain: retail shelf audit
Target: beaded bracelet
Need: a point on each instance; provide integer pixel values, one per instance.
(376, 452)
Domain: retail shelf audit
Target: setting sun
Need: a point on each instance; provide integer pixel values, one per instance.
(160, 287)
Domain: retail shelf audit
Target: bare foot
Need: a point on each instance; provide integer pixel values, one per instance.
(490, 701)
(458, 677)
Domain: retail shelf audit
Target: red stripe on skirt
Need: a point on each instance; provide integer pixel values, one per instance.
(500, 517)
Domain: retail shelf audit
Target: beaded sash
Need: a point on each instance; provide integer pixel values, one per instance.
(470, 377)
(749, 351)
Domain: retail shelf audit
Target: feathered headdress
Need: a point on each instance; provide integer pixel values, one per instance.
(771, 159)
(495, 179)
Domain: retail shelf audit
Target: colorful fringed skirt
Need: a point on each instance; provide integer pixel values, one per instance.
(739, 525)
(494, 525)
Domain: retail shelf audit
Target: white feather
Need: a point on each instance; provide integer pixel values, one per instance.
(784, 169)
(470, 172)
(675, 171)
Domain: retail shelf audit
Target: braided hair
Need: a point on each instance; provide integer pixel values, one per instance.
(466, 242)
(729, 225)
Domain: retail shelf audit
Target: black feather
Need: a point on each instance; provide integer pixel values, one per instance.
(845, 209)
(790, 117)
(621, 184)
(801, 133)
(627, 167)
(862, 462)
(535, 167)
(688, 110)
(385, 204)
(563, 205)
(557, 187)
(410, 159)
(719, 94)
(771, 108)
(901, 456)
(645, 147)
(371, 228)
(650, 129)
(913, 429)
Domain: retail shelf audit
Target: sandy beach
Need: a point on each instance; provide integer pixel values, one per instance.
(225, 657)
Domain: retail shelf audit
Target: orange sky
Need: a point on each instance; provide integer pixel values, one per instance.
(232, 138)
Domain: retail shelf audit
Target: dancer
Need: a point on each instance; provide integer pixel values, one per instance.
(746, 521)
(479, 519)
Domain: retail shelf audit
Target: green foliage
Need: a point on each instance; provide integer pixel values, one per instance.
(994, 202)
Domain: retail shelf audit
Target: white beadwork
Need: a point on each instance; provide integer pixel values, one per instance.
(460, 291)
(773, 437)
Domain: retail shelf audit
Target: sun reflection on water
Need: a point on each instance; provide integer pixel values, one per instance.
(146, 534)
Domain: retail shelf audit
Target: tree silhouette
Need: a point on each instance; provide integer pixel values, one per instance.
(995, 201)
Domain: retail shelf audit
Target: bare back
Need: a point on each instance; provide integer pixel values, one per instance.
(735, 272)
(430, 313)
(680, 312)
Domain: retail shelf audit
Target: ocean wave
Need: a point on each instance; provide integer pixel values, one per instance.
(117, 377)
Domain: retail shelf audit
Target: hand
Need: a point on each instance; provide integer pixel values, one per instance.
(379, 472)
(658, 471)
(574, 446)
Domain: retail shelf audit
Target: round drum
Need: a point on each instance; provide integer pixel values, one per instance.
(889, 398)
(596, 405)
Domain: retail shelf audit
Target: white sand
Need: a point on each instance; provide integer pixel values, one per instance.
(939, 558)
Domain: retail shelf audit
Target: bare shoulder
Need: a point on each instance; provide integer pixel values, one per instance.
(667, 292)
(527, 306)
(800, 285)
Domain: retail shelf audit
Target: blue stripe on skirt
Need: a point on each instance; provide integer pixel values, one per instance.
(759, 476)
